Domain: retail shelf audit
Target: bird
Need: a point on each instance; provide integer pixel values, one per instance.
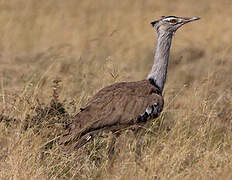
(126, 105)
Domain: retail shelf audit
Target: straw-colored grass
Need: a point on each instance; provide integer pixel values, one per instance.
(91, 44)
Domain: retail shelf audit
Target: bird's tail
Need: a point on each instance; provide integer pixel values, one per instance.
(69, 142)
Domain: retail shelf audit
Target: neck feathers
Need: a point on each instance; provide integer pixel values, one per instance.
(159, 69)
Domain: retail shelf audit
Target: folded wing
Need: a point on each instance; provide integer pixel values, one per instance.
(115, 107)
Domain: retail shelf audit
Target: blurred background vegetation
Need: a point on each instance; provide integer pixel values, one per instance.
(90, 44)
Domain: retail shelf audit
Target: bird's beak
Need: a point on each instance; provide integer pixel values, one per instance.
(187, 20)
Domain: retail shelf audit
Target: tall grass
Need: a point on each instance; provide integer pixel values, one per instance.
(54, 55)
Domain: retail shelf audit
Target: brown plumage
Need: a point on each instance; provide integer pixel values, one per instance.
(119, 106)
(126, 104)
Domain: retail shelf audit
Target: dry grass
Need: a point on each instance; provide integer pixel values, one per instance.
(91, 44)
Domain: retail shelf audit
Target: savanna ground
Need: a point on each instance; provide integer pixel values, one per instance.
(90, 44)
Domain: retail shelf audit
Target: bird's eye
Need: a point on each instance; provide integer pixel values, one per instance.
(173, 21)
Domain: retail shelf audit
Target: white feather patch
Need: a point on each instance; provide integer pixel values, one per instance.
(88, 138)
(149, 111)
(169, 19)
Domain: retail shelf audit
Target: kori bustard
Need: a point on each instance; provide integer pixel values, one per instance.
(126, 105)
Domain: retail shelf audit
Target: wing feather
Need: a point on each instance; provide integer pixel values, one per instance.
(113, 107)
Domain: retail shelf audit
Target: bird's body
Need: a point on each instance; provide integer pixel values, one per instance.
(126, 104)
(118, 106)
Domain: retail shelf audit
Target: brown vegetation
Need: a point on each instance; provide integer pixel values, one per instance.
(90, 44)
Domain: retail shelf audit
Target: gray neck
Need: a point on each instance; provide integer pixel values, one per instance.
(159, 69)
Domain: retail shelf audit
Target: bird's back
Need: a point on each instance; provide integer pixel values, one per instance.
(119, 105)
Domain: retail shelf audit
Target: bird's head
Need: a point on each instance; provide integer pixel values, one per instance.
(169, 24)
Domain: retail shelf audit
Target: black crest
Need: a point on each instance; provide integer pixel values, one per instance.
(168, 17)
(153, 23)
